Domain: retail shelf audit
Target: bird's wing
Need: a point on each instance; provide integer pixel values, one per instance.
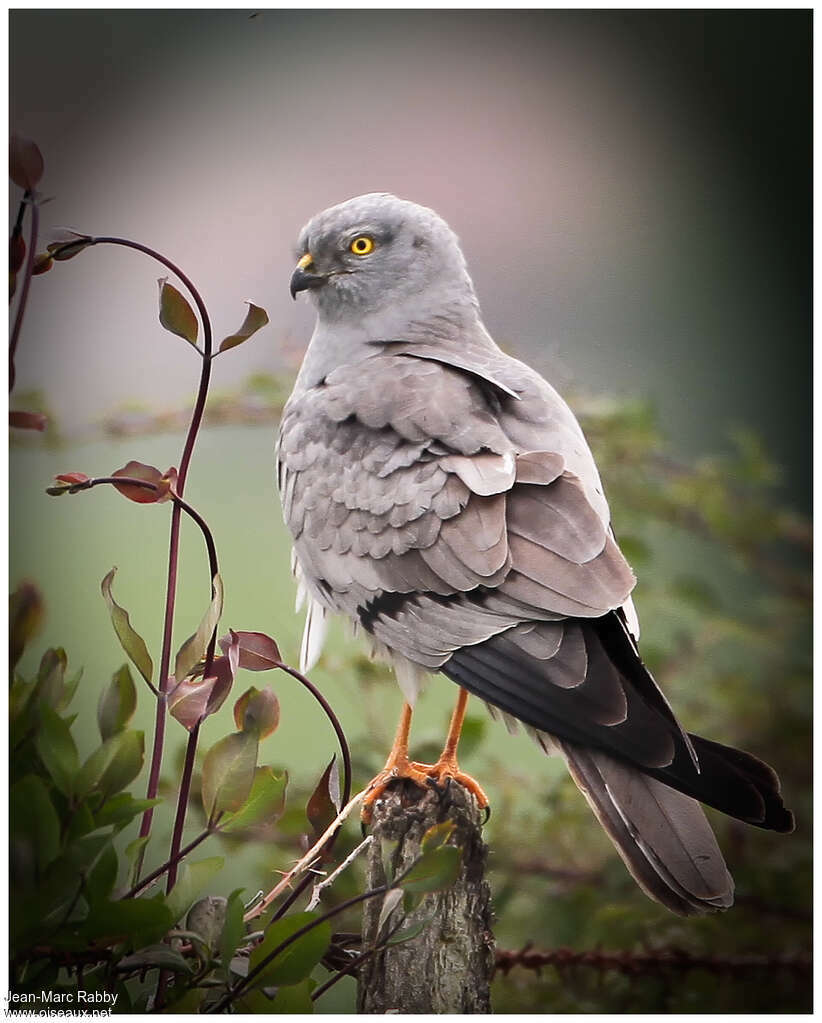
(415, 513)
(466, 530)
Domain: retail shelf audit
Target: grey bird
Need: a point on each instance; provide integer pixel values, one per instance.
(442, 497)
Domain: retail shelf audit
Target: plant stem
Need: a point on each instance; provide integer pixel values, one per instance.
(174, 538)
(293, 895)
(146, 881)
(182, 799)
(27, 274)
(258, 969)
(305, 862)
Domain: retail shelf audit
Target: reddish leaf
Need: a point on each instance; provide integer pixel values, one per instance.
(258, 652)
(25, 618)
(195, 699)
(255, 318)
(225, 670)
(257, 711)
(324, 804)
(189, 701)
(17, 252)
(66, 244)
(176, 314)
(72, 477)
(25, 162)
(142, 495)
(28, 420)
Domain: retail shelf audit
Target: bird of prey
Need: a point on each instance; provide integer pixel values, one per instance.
(441, 496)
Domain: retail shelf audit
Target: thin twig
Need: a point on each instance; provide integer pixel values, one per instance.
(346, 787)
(332, 877)
(146, 881)
(305, 862)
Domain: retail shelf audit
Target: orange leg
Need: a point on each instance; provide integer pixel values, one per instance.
(397, 766)
(446, 768)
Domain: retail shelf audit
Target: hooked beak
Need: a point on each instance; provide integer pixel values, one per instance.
(305, 277)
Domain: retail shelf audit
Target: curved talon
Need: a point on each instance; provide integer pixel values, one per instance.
(398, 770)
(487, 815)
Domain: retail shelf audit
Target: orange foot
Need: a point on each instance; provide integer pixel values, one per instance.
(439, 775)
(445, 771)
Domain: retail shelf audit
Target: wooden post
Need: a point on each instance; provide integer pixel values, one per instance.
(447, 967)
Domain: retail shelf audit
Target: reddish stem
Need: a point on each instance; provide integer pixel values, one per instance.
(174, 539)
(24, 289)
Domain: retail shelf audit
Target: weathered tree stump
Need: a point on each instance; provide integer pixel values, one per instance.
(447, 967)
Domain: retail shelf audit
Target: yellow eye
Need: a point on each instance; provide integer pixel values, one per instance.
(362, 245)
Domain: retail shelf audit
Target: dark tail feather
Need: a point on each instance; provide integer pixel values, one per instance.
(662, 835)
(725, 772)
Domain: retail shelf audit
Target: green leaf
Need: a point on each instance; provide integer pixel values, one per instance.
(191, 880)
(133, 644)
(160, 956)
(81, 823)
(34, 827)
(113, 765)
(176, 315)
(436, 836)
(134, 848)
(299, 958)
(119, 810)
(253, 1002)
(57, 750)
(265, 803)
(20, 704)
(69, 689)
(228, 772)
(117, 703)
(233, 930)
(294, 999)
(49, 687)
(138, 921)
(255, 318)
(195, 646)
(103, 875)
(433, 871)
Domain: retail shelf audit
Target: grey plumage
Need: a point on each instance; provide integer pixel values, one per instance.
(442, 496)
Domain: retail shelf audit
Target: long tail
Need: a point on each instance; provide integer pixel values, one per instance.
(662, 835)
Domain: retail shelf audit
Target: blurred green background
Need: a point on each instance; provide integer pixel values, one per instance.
(637, 181)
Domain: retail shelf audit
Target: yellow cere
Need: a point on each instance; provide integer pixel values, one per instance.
(362, 245)
(305, 261)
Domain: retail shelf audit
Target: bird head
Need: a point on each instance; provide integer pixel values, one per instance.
(374, 252)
